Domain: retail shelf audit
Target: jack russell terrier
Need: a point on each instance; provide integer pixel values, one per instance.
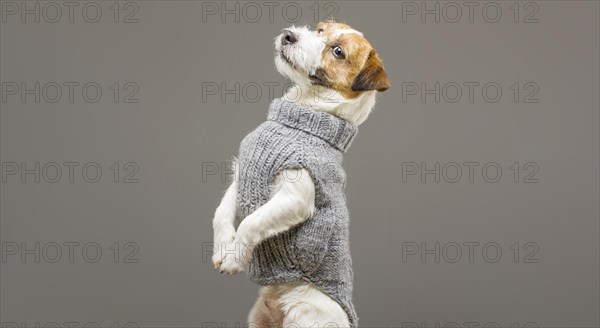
(284, 218)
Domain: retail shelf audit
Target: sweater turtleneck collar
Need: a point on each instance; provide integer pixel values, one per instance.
(336, 131)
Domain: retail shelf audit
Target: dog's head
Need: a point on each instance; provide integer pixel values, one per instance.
(333, 55)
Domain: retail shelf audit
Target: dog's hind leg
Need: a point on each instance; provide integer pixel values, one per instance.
(306, 306)
(266, 312)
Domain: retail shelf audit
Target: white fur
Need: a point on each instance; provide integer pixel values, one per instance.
(292, 199)
(223, 224)
(305, 54)
(295, 305)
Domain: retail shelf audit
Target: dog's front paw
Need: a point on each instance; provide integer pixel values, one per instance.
(233, 263)
(223, 242)
(236, 256)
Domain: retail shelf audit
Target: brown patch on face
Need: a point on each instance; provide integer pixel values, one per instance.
(320, 78)
(356, 70)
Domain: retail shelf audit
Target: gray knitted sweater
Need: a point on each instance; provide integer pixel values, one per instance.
(317, 250)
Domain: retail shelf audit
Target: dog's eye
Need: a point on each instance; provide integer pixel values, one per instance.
(338, 52)
(320, 30)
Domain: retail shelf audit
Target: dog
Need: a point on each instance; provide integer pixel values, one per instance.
(337, 75)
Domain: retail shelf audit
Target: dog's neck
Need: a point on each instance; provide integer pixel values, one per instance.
(355, 110)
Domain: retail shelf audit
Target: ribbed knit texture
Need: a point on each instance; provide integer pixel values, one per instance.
(317, 250)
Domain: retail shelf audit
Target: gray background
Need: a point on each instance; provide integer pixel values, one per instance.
(170, 52)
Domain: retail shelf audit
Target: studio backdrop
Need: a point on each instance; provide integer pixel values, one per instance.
(473, 187)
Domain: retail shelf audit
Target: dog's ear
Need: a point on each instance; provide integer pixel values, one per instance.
(372, 76)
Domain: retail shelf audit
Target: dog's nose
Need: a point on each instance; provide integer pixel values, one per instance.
(288, 38)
